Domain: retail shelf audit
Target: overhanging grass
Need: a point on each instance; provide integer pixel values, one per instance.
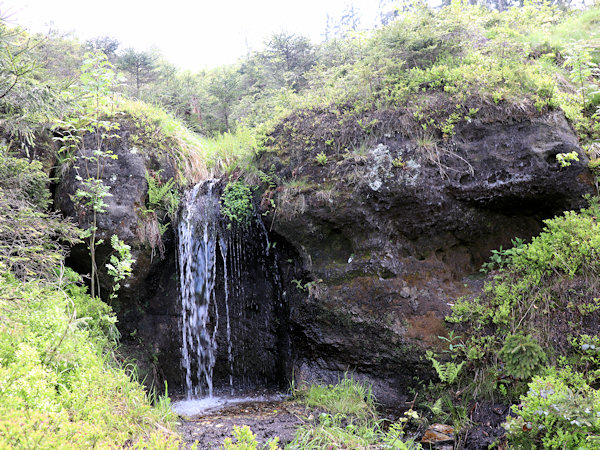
(197, 157)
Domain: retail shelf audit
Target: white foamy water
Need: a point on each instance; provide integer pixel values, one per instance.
(206, 405)
(197, 265)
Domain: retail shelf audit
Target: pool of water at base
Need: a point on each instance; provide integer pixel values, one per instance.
(211, 405)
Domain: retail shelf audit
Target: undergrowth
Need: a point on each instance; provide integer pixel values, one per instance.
(348, 419)
(531, 337)
(60, 383)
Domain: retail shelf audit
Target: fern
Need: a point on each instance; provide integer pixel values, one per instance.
(447, 372)
(162, 195)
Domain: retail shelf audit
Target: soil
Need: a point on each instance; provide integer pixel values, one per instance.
(267, 420)
(487, 426)
(271, 419)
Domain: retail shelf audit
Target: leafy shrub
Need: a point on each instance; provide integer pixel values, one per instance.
(236, 203)
(25, 178)
(560, 410)
(246, 440)
(30, 237)
(500, 258)
(321, 159)
(543, 290)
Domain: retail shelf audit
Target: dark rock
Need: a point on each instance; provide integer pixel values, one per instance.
(387, 246)
(147, 306)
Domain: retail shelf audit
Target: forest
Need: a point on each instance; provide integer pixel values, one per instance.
(329, 147)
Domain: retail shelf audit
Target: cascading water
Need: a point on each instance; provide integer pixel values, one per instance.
(231, 301)
(197, 266)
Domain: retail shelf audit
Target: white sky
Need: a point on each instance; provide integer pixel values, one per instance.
(191, 34)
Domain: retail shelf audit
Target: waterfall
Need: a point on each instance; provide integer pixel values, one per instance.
(230, 293)
(197, 266)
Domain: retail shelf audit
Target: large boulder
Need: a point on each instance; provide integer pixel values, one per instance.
(389, 236)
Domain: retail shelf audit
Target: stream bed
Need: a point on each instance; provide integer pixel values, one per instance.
(266, 417)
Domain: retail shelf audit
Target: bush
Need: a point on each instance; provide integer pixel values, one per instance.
(544, 300)
(522, 356)
(31, 239)
(560, 410)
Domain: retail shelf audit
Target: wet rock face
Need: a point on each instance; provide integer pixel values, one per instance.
(388, 237)
(149, 306)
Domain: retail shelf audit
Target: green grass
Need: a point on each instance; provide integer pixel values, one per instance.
(197, 157)
(350, 420)
(229, 151)
(60, 385)
(580, 26)
(348, 397)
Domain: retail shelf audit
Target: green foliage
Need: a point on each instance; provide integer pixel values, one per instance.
(31, 239)
(332, 430)
(229, 152)
(119, 267)
(564, 159)
(321, 159)
(336, 432)
(163, 201)
(236, 203)
(162, 195)
(27, 105)
(140, 67)
(245, 439)
(560, 410)
(522, 356)
(61, 386)
(393, 439)
(398, 162)
(26, 178)
(579, 60)
(500, 258)
(224, 87)
(97, 78)
(347, 397)
(532, 293)
(447, 372)
(158, 134)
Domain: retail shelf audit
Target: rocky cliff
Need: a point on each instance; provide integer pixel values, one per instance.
(392, 233)
(373, 243)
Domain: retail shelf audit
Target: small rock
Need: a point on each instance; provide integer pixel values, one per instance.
(438, 433)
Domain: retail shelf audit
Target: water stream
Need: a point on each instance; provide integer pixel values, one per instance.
(230, 297)
(197, 256)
